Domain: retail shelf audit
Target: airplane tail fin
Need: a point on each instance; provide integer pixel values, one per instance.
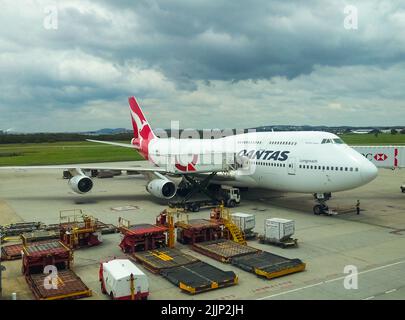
(143, 133)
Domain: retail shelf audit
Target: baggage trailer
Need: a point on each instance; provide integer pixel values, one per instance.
(39, 235)
(142, 237)
(268, 265)
(284, 243)
(199, 277)
(16, 229)
(279, 232)
(14, 251)
(223, 250)
(250, 259)
(69, 286)
(163, 258)
(37, 256)
(104, 228)
(198, 230)
(11, 252)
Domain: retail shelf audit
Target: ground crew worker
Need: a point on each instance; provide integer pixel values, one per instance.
(358, 207)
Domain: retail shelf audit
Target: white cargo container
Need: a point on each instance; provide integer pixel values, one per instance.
(278, 229)
(123, 280)
(245, 221)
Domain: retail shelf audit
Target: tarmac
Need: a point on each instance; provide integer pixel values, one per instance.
(372, 242)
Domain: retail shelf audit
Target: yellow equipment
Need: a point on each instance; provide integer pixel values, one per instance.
(77, 229)
(223, 214)
(166, 218)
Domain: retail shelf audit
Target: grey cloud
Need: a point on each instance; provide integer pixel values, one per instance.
(185, 58)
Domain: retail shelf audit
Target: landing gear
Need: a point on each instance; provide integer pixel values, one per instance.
(321, 207)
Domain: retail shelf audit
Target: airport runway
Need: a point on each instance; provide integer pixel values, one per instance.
(374, 241)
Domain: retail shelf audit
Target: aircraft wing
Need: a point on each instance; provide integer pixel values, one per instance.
(86, 167)
(125, 145)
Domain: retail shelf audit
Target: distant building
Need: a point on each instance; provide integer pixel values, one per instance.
(363, 131)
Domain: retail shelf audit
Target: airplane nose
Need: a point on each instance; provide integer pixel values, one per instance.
(369, 172)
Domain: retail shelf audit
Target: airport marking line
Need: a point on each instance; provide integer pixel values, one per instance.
(390, 291)
(336, 279)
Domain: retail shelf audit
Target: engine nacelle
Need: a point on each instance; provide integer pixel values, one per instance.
(81, 184)
(161, 188)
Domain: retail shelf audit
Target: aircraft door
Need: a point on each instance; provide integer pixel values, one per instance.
(292, 166)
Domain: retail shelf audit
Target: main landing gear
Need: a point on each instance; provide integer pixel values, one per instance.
(321, 207)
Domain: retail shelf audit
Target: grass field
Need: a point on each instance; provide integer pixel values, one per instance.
(370, 139)
(88, 152)
(63, 153)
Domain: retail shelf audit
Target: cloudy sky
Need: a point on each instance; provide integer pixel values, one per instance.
(71, 65)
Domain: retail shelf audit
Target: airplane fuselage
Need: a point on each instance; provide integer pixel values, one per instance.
(308, 162)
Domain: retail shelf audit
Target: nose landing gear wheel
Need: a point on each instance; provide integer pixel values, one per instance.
(320, 209)
(317, 210)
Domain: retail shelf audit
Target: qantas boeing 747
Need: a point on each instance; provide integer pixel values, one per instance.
(307, 162)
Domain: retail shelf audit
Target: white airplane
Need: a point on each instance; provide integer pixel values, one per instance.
(306, 162)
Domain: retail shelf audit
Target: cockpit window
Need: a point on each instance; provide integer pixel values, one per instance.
(338, 141)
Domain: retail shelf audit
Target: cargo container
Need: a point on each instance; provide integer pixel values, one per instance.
(123, 280)
(245, 222)
(278, 229)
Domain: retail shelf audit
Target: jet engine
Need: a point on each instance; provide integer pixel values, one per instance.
(81, 184)
(162, 188)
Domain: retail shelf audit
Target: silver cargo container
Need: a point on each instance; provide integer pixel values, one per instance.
(245, 221)
(278, 229)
